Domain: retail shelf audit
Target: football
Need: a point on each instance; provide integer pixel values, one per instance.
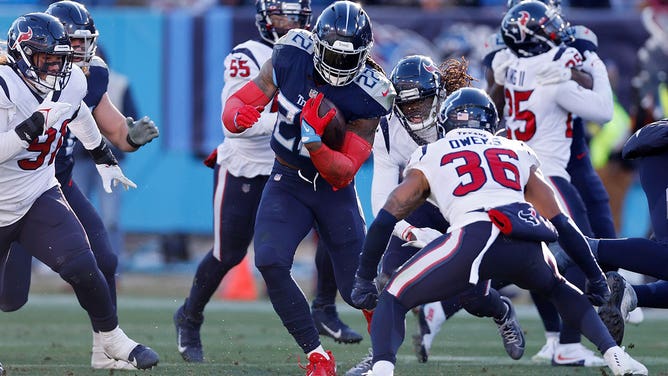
(335, 132)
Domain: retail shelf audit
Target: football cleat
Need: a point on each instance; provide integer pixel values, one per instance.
(576, 355)
(188, 341)
(100, 360)
(511, 331)
(430, 318)
(329, 324)
(615, 312)
(318, 365)
(2, 370)
(363, 368)
(636, 316)
(117, 345)
(621, 363)
(546, 353)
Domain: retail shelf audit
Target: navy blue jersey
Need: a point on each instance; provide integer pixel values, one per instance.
(97, 79)
(369, 96)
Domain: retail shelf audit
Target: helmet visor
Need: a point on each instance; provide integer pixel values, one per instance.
(342, 60)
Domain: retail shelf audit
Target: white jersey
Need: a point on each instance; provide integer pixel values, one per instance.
(392, 148)
(471, 170)
(29, 173)
(247, 153)
(541, 115)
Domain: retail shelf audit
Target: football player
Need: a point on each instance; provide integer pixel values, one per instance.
(126, 134)
(47, 93)
(648, 147)
(563, 344)
(421, 86)
(242, 164)
(479, 182)
(309, 180)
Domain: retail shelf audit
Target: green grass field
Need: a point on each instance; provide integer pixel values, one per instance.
(51, 336)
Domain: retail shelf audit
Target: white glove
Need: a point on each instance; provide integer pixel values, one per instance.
(112, 175)
(419, 237)
(502, 60)
(592, 63)
(52, 111)
(553, 73)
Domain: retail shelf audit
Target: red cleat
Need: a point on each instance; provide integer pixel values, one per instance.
(318, 365)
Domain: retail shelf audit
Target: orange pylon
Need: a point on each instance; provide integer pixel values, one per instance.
(239, 283)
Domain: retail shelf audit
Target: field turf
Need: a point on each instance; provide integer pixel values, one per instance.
(51, 336)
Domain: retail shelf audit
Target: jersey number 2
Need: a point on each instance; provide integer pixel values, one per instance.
(499, 168)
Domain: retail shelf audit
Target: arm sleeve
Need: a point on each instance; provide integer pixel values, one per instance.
(235, 78)
(594, 105)
(83, 126)
(339, 168)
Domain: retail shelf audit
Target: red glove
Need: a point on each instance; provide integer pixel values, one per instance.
(247, 116)
(310, 114)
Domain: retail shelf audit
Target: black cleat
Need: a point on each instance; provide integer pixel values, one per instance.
(188, 340)
(329, 324)
(511, 332)
(615, 312)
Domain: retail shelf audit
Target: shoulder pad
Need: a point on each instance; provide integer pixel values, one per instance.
(97, 61)
(652, 139)
(299, 38)
(569, 56)
(378, 86)
(78, 81)
(493, 44)
(584, 39)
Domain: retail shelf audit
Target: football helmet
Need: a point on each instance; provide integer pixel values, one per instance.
(342, 40)
(40, 50)
(531, 28)
(296, 14)
(79, 26)
(551, 3)
(417, 81)
(468, 107)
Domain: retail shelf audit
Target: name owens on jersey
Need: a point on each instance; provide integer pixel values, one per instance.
(471, 170)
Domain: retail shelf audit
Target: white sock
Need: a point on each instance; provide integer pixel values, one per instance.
(320, 351)
(383, 368)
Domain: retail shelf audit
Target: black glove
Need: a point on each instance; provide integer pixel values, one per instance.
(597, 291)
(364, 294)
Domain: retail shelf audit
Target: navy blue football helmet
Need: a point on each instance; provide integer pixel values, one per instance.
(79, 26)
(531, 28)
(417, 81)
(39, 48)
(342, 42)
(468, 107)
(296, 14)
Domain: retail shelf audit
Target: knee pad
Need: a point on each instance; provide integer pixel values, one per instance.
(78, 269)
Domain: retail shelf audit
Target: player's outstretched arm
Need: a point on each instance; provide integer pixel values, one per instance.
(124, 133)
(242, 109)
(541, 195)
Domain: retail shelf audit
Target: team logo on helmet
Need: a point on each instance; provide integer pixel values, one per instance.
(22, 37)
(429, 67)
(522, 24)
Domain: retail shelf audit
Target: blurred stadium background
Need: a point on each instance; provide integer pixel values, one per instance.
(172, 54)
